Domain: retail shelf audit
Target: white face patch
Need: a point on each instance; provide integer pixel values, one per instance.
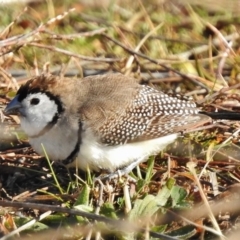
(38, 111)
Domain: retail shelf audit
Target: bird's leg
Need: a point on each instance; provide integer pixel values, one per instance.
(123, 171)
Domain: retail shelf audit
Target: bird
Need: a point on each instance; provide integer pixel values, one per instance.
(106, 122)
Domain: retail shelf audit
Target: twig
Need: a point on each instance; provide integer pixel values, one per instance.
(191, 167)
(25, 38)
(223, 90)
(222, 38)
(75, 35)
(26, 225)
(8, 76)
(205, 47)
(154, 61)
(131, 58)
(71, 54)
(8, 29)
(128, 205)
(221, 64)
(194, 223)
(119, 224)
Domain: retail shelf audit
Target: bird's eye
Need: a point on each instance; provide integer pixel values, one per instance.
(34, 101)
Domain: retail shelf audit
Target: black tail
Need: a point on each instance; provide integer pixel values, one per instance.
(223, 115)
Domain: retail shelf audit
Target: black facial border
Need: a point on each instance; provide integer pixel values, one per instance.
(24, 91)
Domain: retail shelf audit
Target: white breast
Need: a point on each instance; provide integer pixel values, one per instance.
(58, 142)
(95, 156)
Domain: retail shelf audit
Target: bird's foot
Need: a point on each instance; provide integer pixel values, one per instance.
(121, 172)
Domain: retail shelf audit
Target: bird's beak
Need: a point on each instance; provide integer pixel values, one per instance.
(13, 108)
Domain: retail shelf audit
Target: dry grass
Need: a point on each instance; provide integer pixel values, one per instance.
(191, 191)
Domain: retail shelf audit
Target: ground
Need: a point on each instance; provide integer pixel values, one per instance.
(189, 191)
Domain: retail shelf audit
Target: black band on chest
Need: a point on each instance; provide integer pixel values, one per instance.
(72, 156)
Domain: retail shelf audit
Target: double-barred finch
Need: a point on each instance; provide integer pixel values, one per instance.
(103, 122)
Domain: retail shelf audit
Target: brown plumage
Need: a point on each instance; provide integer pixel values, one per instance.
(110, 110)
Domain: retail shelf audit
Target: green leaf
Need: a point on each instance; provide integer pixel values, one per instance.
(184, 232)
(11, 94)
(140, 184)
(84, 208)
(83, 197)
(170, 183)
(178, 195)
(36, 227)
(164, 193)
(108, 210)
(150, 165)
(146, 207)
(159, 229)
(82, 202)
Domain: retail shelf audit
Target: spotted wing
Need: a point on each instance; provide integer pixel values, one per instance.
(152, 114)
